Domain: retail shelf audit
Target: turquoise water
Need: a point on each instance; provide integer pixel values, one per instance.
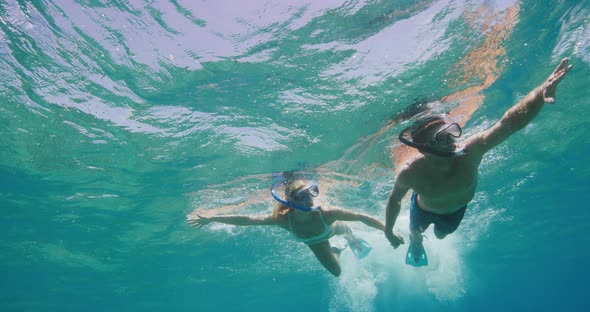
(120, 117)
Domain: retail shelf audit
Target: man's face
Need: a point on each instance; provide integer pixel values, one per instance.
(435, 135)
(443, 138)
(447, 134)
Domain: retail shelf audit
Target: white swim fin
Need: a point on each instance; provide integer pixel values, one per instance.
(359, 247)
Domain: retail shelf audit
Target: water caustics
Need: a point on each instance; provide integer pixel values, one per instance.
(119, 117)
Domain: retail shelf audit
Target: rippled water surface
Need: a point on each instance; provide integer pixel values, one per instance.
(118, 118)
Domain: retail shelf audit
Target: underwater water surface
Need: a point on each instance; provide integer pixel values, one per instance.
(118, 118)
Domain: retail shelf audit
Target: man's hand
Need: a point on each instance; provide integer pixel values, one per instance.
(394, 239)
(550, 85)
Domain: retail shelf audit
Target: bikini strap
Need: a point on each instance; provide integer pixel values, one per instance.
(322, 218)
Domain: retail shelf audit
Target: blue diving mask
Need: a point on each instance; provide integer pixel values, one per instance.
(311, 190)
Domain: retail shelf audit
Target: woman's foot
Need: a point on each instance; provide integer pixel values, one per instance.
(337, 251)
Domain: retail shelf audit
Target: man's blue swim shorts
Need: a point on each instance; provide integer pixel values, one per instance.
(443, 223)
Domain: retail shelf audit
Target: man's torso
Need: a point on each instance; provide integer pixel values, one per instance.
(443, 189)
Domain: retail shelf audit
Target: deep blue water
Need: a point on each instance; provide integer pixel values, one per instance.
(120, 117)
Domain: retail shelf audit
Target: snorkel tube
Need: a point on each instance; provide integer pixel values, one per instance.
(406, 137)
(286, 203)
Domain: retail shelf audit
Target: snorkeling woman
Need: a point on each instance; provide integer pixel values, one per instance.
(313, 226)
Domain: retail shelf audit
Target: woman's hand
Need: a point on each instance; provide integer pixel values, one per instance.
(196, 219)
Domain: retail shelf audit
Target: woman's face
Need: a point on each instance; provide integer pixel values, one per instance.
(305, 195)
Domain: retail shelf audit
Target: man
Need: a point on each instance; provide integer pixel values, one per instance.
(443, 176)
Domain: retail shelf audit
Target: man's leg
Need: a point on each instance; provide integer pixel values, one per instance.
(438, 233)
(416, 235)
(447, 224)
(418, 224)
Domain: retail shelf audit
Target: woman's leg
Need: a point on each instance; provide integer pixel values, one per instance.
(327, 257)
(340, 228)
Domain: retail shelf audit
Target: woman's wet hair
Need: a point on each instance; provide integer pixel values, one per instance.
(293, 187)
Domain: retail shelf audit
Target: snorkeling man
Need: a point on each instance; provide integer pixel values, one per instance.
(443, 176)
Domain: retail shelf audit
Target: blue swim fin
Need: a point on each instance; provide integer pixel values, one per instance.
(416, 255)
(359, 247)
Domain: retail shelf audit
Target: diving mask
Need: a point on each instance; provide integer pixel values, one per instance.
(301, 195)
(311, 190)
(448, 129)
(444, 135)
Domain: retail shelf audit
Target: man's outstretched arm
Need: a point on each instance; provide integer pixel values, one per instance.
(522, 113)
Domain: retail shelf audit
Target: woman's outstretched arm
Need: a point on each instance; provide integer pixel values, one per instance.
(200, 219)
(342, 214)
(349, 215)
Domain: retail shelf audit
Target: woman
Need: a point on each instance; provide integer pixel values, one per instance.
(311, 225)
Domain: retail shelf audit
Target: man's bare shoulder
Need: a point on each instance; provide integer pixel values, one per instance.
(407, 169)
(477, 144)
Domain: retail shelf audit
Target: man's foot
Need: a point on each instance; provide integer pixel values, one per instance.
(417, 251)
(416, 255)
